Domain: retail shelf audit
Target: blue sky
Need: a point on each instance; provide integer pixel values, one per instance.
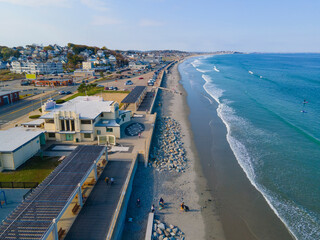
(203, 25)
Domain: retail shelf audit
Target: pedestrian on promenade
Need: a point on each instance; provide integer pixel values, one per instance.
(152, 208)
(107, 180)
(111, 181)
(138, 202)
(139, 134)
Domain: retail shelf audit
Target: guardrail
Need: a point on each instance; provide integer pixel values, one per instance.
(116, 224)
(18, 184)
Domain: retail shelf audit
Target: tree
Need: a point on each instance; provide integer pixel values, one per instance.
(48, 48)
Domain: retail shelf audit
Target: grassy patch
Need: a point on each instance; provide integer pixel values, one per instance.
(34, 170)
(6, 75)
(94, 92)
(34, 116)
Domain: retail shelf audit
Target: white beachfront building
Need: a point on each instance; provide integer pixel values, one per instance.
(36, 67)
(83, 119)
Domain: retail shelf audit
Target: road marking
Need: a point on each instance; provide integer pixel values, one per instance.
(28, 106)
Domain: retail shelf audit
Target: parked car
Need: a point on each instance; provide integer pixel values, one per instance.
(106, 88)
(129, 82)
(69, 92)
(115, 88)
(141, 78)
(150, 83)
(95, 78)
(111, 88)
(62, 92)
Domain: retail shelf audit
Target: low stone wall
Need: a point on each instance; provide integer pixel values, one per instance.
(119, 216)
(149, 227)
(149, 140)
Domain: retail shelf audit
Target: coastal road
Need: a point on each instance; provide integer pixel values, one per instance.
(25, 106)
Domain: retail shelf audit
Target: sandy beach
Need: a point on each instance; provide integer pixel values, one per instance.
(202, 221)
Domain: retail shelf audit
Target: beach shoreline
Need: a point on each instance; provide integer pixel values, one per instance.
(188, 186)
(241, 206)
(196, 192)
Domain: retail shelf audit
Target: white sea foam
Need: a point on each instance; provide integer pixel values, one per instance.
(216, 69)
(227, 115)
(196, 63)
(212, 89)
(251, 72)
(202, 71)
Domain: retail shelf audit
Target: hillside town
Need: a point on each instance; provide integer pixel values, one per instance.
(75, 119)
(55, 59)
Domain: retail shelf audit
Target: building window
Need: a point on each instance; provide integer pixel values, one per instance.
(85, 121)
(51, 135)
(49, 121)
(87, 135)
(72, 125)
(123, 116)
(109, 129)
(101, 114)
(62, 126)
(98, 132)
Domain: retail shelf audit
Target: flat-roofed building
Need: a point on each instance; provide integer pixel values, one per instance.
(37, 67)
(17, 145)
(87, 65)
(8, 97)
(133, 100)
(83, 119)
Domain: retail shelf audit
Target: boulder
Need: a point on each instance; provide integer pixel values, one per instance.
(161, 226)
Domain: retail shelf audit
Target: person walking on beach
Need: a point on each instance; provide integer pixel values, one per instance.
(161, 202)
(106, 180)
(111, 181)
(182, 206)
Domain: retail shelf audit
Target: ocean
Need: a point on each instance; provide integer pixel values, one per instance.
(270, 105)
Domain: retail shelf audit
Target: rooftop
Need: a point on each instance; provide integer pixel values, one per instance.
(14, 138)
(86, 107)
(134, 95)
(7, 92)
(32, 219)
(34, 122)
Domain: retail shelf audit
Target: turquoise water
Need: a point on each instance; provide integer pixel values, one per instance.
(273, 134)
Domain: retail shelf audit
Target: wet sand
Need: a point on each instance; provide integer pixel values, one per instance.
(244, 212)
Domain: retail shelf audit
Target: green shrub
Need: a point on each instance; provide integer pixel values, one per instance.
(34, 116)
(60, 101)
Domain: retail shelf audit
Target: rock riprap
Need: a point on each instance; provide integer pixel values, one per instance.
(168, 152)
(161, 231)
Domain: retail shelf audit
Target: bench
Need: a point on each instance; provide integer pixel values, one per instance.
(104, 162)
(61, 233)
(92, 182)
(75, 208)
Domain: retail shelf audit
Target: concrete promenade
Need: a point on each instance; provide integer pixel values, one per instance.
(95, 217)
